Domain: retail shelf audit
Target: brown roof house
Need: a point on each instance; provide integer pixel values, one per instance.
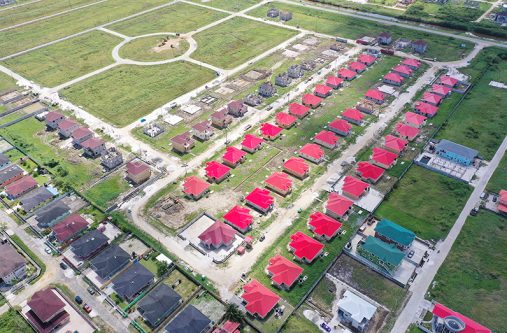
(67, 127)
(53, 119)
(385, 38)
(138, 172)
(237, 108)
(183, 143)
(80, 135)
(93, 147)
(203, 130)
(221, 119)
(419, 46)
(12, 264)
(47, 311)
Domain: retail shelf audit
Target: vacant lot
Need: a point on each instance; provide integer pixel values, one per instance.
(235, 41)
(425, 202)
(232, 5)
(28, 36)
(104, 193)
(442, 48)
(12, 321)
(64, 61)
(6, 82)
(473, 278)
(180, 17)
(498, 180)
(126, 93)
(154, 48)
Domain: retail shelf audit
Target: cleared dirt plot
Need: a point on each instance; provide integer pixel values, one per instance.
(232, 5)
(442, 48)
(66, 60)
(242, 38)
(154, 48)
(180, 17)
(473, 278)
(31, 35)
(425, 202)
(125, 93)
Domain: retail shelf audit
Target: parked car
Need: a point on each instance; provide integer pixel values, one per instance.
(63, 266)
(90, 290)
(78, 299)
(411, 254)
(48, 250)
(495, 198)
(325, 327)
(87, 308)
(484, 195)
(262, 238)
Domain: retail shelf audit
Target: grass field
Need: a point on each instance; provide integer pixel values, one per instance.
(498, 180)
(235, 41)
(28, 36)
(425, 202)
(64, 61)
(232, 5)
(180, 17)
(12, 321)
(442, 48)
(126, 93)
(6, 82)
(298, 323)
(473, 278)
(105, 192)
(142, 49)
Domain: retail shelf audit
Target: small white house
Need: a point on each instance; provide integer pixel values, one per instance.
(355, 311)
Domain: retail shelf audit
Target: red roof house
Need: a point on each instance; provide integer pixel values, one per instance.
(259, 300)
(69, 228)
(194, 187)
(311, 101)
(298, 110)
(357, 67)
(471, 326)
(322, 90)
(414, 119)
(217, 235)
(20, 187)
(66, 127)
(366, 59)
(297, 167)
(334, 81)
(374, 95)
(502, 202)
(283, 272)
(304, 247)
(441, 90)
(347, 74)
(270, 131)
(251, 143)
(353, 116)
(406, 132)
(240, 218)
(448, 81)
(183, 143)
(228, 327)
(233, 156)
(403, 70)
(323, 226)
(369, 172)
(326, 139)
(394, 144)
(81, 135)
(354, 188)
(216, 172)
(138, 172)
(47, 311)
(285, 120)
(338, 206)
(261, 200)
(383, 158)
(431, 98)
(393, 78)
(279, 182)
(340, 126)
(425, 109)
(412, 63)
(312, 153)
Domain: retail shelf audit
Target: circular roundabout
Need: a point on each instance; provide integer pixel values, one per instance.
(154, 48)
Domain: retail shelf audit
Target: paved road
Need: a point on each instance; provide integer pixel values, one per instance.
(430, 269)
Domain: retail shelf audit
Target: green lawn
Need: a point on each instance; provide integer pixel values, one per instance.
(452, 11)
(144, 49)
(498, 180)
(12, 321)
(473, 278)
(6, 82)
(298, 323)
(126, 93)
(64, 61)
(425, 202)
(185, 287)
(324, 294)
(231, 5)
(28, 36)
(104, 193)
(180, 17)
(442, 48)
(237, 40)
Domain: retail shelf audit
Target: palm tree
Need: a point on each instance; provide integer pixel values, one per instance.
(233, 313)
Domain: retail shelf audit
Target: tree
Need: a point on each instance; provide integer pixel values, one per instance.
(233, 313)
(162, 268)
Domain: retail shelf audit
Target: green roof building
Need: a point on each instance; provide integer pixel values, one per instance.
(382, 254)
(393, 233)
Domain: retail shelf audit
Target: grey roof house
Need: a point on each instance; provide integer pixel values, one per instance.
(12, 264)
(267, 89)
(132, 281)
(4, 161)
(10, 174)
(89, 244)
(48, 216)
(35, 198)
(110, 261)
(159, 304)
(295, 71)
(283, 80)
(190, 320)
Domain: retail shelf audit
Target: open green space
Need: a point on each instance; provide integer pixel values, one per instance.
(442, 48)
(498, 180)
(473, 277)
(374, 6)
(231, 5)
(6, 82)
(451, 11)
(152, 48)
(177, 18)
(182, 285)
(237, 40)
(104, 193)
(28, 36)
(12, 321)
(126, 93)
(425, 202)
(299, 323)
(66, 60)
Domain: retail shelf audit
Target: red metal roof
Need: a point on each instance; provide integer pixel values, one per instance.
(391, 76)
(322, 89)
(239, 216)
(52, 116)
(369, 171)
(334, 81)
(470, 325)
(412, 62)
(448, 80)
(406, 131)
(431, 98)
(366, 59)
(285, 120)
(66, 124)
(312, 150)
(20, 186)
(354, 186)
(136, 167)
(338, 204)
(346, 73)
(327, 137)
(233, 155)
(340, 125)
(403, 69)
(270, 130)
(383, 156)
(394, 143)
(45, 304)
(297, 165)
(375, 94)
(280, 181)
(414, 118)
(228, 327)
(218, 234)
(298, 109)
(194, 186)
(69, 227)
(357, 66)
(203, 126)
(353, 114)
(259, 299)
(426, 108)
(305, 247)
(216, 170)
(324, 225)
(251, 141)
(260, 198)
(283, 271)
(92, 143)
(312, 100)
(440, 89)
(81, 133)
